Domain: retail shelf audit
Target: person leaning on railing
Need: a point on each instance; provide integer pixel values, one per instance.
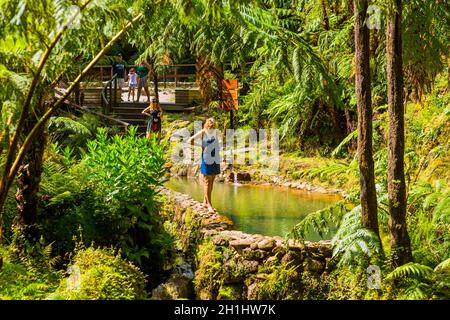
(142, 72)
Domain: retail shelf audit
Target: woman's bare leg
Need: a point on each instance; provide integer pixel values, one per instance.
(205, 191)
(210, 187)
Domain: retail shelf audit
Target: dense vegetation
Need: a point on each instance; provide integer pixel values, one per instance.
(366, 110)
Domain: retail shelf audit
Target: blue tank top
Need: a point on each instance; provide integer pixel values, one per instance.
(210, 160)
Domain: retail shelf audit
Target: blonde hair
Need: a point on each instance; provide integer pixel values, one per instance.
(210, 123)
(154, 105)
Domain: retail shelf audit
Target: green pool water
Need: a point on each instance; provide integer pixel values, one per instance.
(266, 210)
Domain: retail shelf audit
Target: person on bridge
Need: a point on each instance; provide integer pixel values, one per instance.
(118, 69)
(142, 72)
(154, 112)
(210, 159)
(132, 83)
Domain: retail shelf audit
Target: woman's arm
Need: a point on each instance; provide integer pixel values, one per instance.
(145, 111)
(194, 136)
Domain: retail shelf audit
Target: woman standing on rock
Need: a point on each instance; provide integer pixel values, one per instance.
(210, 159)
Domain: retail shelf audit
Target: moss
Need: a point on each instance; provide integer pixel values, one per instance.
(101, 274)
(280, 281)
(208, 276)
(230, 292)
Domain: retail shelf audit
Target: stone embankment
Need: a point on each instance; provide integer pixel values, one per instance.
(231, 264)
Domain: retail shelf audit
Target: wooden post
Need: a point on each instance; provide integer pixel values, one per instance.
(231, 119)
(110, 98)
(176, 77)
(115, 93)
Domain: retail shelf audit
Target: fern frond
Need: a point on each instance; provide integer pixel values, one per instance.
(443, 267)
(320, 221)
(411, 269)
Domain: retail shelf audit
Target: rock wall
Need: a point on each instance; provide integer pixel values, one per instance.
(231, 264)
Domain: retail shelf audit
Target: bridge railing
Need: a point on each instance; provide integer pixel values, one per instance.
(103, 118)
(109, 95)
(176, 73)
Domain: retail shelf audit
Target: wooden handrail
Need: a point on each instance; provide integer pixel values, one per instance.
(107, 104)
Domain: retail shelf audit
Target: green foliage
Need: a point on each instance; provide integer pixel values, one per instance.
(430, 222)
(112, 200)
(66, 132)
(320, 221)
(281, 283)
(348, 283)
(209, 261)
(29, 276)
(101, 274)
(353, 244)
(417, 281)
(410, 269)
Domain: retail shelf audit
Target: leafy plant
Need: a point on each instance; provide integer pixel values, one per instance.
(419, 281)
(101, 274)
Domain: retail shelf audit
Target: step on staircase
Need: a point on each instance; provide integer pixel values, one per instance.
(131, 112)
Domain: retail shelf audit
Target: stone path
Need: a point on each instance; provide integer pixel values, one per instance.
(221, 229)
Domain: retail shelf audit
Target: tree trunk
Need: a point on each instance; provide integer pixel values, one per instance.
(400, 243)
(155, 80)
(350, 125)
(28, 180)
(325, 22)
(448, 76)
(364, 102)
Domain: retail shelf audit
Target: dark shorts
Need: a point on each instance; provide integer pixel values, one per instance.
(142, 82)
(154, 126)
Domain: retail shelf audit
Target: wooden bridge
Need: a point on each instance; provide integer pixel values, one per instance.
(95, 95)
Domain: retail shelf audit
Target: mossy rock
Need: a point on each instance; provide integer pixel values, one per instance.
(231, 292)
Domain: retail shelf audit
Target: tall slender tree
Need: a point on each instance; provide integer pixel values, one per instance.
(364, 105)
(400, 242)
(28, 180)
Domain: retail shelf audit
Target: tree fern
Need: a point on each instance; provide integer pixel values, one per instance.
(410, 270)
(353, 244)
(320, 221)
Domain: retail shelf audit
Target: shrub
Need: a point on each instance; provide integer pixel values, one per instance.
(29, 276)
(114, 201)
(101, 274)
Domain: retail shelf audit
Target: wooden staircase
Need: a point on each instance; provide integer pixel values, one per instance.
(131, 112)
(102, 99)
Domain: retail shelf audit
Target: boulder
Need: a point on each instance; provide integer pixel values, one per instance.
(241, 243)
(266, 244)
(177, 287)
(252, 254)
(236, 271)
(243, 176)
(292, 257)
(313, 265)
(220, 241)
